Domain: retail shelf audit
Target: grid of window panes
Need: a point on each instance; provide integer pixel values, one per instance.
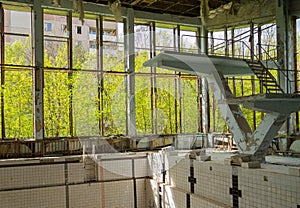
(16, 75)
(189, 39)
(57, 95)
(144, 81)
(84, 83)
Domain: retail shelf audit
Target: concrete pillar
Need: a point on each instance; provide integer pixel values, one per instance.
(203, 40)
(99, 40)
(70, 72)
(153, 81)
(204, 84)
(199, 85)
(129, 53)
(286, 44)
(2, 60)
(286, 41)
(252, 46)
(205, 106)
(262, 137)
(226, 42)
(38, 72)
(179, 85)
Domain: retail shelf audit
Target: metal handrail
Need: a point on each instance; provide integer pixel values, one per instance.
(251, 55)
(278, 68)
(271, 25)
(244, 45)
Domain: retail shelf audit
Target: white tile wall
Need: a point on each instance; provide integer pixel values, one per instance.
(201, 202)
(268, 188)
(114, 169)
(31, 176)
(85, 195)
(141, 192)
(51, 197)
(141, 167)
(264, 187)
(213, 181)
(75, 172)
(175, 196)
(118, 194)
(260, 187)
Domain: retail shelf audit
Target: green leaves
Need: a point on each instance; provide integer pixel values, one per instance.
(18, 106)
(17, 89)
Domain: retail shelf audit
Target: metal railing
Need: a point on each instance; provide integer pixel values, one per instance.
(16, 148)
(39, 148)
(267, 54)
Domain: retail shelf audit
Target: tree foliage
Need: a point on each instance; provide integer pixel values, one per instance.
(92, 101)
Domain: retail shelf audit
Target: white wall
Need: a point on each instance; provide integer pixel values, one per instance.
(41, 185)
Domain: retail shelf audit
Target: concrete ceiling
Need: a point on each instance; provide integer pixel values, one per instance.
(213, 13)
(189, 8)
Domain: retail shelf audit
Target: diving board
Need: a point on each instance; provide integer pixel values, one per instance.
(197, 64)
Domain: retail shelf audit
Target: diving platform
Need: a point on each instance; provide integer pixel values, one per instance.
(198, 64)
(280, 103)
(276, 104)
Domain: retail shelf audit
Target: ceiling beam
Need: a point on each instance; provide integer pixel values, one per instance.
(98, 9)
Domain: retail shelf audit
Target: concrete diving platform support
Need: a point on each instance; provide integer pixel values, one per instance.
(277, 107)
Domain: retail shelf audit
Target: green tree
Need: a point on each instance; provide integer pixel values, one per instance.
(56, 92)
(18, 113)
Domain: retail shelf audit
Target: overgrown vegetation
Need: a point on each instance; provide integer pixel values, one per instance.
(85, 102)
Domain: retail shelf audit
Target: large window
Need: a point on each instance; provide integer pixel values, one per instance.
(189, 40)
(85, 88)
(56, 92)
(16, 76)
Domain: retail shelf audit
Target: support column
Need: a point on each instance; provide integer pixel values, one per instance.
(129, 53)
(199, 86)
(232, 43)
(232, 55)
(203, 40)
(286, 44)
(212, 47)
(200, 104)
(252, 46)
(70, 72)
(232, 113)
(38, 72)
(99, 40)
(260, 140)
(205, 106)
(205, 90)
(176, 100)
(261, 90)
(179, 85)
(292, 63)
(226, 42)
(2, 59)
(153, 79)
(286, 32)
